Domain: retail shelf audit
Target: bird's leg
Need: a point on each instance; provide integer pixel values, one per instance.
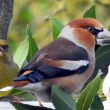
(15, 98)
(39, 102)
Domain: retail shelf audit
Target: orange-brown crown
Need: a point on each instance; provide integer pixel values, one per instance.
(82, 35)
(85, 22)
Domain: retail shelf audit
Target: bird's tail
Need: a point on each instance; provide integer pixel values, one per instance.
(24, 79)
(32, 76)
(14, 85)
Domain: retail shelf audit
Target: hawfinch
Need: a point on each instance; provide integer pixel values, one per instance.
(67, 62)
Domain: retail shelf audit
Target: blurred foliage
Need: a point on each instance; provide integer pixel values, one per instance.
(8, 69)
(36, 13)
(59, 98)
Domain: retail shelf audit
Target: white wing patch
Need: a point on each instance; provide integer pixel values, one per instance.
(74, 65)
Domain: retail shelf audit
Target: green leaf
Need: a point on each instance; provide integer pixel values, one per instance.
(26, 96)
(102, 59)
(26, 49)
(17, 92)
(61, 100)
(90, 13)
(19, 106)
(103, 55)
(56, 27)
(23, 95)
(33, 48)
(21, 52)
(87, 95)
(97, 104)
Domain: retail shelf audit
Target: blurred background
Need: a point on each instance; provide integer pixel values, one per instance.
(36, 13)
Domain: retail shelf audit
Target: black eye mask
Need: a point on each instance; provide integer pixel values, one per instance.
(93, 30)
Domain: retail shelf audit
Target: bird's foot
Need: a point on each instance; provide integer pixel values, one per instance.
(15, 98)
(40, 104)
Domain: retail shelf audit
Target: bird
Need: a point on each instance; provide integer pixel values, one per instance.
(8, 68)
(67, 62)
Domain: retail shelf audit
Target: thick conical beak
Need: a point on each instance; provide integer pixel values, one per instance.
(103, 37)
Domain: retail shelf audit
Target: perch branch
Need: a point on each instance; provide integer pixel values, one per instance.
(6, 9)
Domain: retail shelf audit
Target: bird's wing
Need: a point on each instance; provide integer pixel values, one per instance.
(59, 58)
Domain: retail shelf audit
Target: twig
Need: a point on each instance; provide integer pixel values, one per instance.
(6, 9)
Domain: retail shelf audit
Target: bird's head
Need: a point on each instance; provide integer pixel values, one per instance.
(86, 32)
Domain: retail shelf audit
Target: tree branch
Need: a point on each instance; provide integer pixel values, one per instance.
(1, 5)
(6, 10)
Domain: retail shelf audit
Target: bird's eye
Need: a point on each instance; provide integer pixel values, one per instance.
(91, 29)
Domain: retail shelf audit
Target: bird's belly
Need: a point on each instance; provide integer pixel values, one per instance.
(70, 84)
